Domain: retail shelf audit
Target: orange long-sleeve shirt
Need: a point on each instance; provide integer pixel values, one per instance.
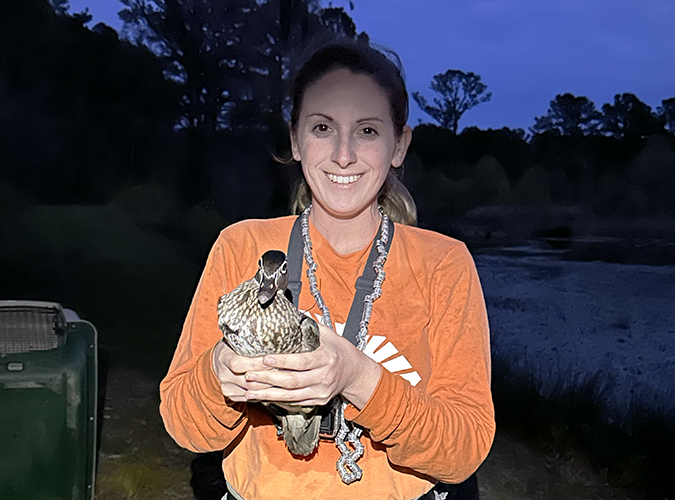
(431, 416)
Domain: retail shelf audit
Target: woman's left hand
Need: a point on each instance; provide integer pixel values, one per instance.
(313, 378)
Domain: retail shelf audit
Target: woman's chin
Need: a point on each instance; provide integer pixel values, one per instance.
(345, 210)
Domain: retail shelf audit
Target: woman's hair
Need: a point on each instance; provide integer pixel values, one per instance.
(362, 59)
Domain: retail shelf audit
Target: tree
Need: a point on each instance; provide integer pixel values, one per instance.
(459, 92)
(78, 106)
(569, 115)
(629, 116)
(667, 113)
(232, 59)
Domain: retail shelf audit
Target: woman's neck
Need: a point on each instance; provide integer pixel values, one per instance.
(347, 235)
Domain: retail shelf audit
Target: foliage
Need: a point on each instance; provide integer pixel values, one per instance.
(451, 174)
(459, 92)
(88, 115)
(230, 58)
(569, 115)
(128, 267)
(629, 116)
(232, 61)
(78, 106)
(667, 113)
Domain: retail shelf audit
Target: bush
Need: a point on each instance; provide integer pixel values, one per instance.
(534, 188)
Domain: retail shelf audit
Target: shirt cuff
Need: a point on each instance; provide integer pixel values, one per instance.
(229, 412)
(383, 407)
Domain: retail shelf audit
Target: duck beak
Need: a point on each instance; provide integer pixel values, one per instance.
(267, 291)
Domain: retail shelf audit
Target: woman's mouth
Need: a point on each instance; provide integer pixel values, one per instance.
(343, 179)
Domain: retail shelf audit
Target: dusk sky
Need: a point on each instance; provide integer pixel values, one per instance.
(526, 51)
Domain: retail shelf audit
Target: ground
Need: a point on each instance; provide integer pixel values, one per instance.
(138, 460)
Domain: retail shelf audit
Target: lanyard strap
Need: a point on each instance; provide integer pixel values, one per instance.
(364, 283)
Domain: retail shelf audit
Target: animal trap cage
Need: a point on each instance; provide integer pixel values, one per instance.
(48, 401)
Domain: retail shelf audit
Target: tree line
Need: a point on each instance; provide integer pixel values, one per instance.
(567, 114)
(616, 160)
(190, 96)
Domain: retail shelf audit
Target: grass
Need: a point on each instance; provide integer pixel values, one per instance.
(134, 478)
(638, 454)
(140, 476)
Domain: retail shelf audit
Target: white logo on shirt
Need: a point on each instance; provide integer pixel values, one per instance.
(379, 354)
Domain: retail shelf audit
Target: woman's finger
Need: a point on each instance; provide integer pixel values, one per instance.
(241, 364)
(284, 379)
(296, 362)
(307, 396)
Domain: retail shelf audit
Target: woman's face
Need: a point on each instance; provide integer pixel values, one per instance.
(346, 142)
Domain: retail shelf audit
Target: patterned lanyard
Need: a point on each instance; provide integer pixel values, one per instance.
(370, 281)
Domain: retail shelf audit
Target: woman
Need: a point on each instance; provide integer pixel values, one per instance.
(419, 389)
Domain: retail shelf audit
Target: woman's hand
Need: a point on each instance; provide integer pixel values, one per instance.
(230, 370)
(313, 378)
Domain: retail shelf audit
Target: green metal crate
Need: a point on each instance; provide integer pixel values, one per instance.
(48, 400)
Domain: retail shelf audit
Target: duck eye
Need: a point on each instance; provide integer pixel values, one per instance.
(284, 267)
(260, 262)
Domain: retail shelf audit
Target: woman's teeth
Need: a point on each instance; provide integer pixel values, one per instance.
(344, 179)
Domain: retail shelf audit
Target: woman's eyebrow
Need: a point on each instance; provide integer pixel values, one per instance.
(321, 115)
(360, 120)
(370, 119)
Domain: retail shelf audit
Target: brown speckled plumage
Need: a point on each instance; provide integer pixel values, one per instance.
(256, 318)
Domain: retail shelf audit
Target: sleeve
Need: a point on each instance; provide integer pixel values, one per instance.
(445, 431)
(192, 406)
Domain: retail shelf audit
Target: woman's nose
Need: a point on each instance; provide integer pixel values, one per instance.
(343, 152)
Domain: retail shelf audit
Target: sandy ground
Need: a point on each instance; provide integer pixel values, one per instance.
(565, 324)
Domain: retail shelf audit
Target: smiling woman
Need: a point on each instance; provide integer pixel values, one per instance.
(403, 363)
(383, 81)
(346, 143)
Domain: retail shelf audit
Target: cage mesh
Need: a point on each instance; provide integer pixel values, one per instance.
(27, 326)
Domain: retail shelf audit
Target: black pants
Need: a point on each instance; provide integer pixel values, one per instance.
(468, 490)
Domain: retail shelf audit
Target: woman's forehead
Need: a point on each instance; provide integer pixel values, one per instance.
(341, 90)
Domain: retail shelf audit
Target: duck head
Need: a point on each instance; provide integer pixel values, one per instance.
(272, 275)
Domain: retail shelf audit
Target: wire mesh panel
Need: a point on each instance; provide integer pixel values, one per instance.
(27, 326)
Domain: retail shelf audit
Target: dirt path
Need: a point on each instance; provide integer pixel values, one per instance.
(138, 460)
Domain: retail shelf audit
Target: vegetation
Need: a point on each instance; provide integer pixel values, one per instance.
(448, 173)
(459, 92)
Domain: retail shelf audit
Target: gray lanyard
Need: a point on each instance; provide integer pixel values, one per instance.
(364, 283)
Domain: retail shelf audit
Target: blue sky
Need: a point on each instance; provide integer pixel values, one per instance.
(526, 51)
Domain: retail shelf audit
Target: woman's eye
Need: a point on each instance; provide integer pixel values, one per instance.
(321, 128)
(369, 131)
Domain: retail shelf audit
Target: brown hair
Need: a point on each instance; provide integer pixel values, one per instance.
(360, 58)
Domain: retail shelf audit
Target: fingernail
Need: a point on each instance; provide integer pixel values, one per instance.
(250, 395)
(269, 361)
(250, 377)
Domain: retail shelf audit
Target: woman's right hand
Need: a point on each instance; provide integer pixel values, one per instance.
(230, 370)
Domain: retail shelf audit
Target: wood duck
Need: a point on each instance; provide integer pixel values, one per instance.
(257, 318)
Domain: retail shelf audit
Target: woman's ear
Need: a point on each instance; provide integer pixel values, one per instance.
(294, 144)
(402, 147)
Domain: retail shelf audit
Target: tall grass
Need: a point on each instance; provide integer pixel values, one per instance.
(638, 453)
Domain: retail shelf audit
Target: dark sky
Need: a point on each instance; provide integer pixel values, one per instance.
(526, 51)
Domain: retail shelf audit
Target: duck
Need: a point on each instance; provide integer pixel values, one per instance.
(258, 318)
